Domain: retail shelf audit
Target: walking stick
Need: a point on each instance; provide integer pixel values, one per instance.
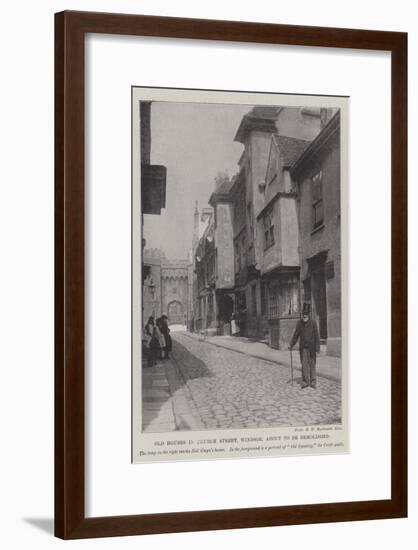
(291, 364)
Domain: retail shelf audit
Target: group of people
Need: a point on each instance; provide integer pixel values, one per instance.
(158, 344)
(157, 339)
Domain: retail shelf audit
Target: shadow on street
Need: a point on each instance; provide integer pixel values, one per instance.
(191, 367)
(161, 382)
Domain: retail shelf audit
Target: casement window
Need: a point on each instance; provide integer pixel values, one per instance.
(268, 223)
(317, 200)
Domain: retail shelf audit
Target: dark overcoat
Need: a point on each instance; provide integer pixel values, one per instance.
(166, 331)
(308, 336)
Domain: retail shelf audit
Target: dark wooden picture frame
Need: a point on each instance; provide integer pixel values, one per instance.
(70, 32)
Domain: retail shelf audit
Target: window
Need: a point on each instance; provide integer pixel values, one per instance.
(283, 298)
(274, 302)
(289, 297)
(268, 223)
(317, 200)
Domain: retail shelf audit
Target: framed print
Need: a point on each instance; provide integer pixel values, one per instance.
(217, 326)
(212, 376)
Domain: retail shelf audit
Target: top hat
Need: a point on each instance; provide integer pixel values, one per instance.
(306, 308)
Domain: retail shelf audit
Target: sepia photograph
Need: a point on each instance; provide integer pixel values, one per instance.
(239, 325)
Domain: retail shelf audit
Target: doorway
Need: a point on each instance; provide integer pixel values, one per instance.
(319, 299)
(175, 313)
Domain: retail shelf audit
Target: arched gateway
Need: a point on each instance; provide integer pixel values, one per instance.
(167, 287)
(175, 313)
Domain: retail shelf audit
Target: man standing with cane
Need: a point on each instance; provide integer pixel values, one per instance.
(306, 332)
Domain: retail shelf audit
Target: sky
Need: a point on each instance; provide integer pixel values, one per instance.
(195, 142)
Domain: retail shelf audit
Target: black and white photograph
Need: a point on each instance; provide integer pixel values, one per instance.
(210, 249)
(238, 275)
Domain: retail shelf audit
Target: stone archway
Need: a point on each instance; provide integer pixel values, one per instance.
(175, 313)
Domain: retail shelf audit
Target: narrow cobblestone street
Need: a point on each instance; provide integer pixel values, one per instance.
(231, 390)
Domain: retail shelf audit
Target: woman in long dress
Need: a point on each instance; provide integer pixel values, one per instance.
(161, 337)
(151, 341)
(148, 330)
(155, 350)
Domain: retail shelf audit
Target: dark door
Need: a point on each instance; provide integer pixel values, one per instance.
(319, 295)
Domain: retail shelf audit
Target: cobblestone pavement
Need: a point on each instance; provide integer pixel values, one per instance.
(232, 390)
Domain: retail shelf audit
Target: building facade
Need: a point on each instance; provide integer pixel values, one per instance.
(222, 205)
(317, 175)
(271, 239)
(214, 264)
(153, 199)
(269, 135)
(297, 248)
(205, 317)
(278, 240)
(202, 257)
(254, 132)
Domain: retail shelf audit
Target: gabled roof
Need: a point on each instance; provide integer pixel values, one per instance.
(261, 118)
(222, 192)
(329, 133)
(225, 187)
(290, 148)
